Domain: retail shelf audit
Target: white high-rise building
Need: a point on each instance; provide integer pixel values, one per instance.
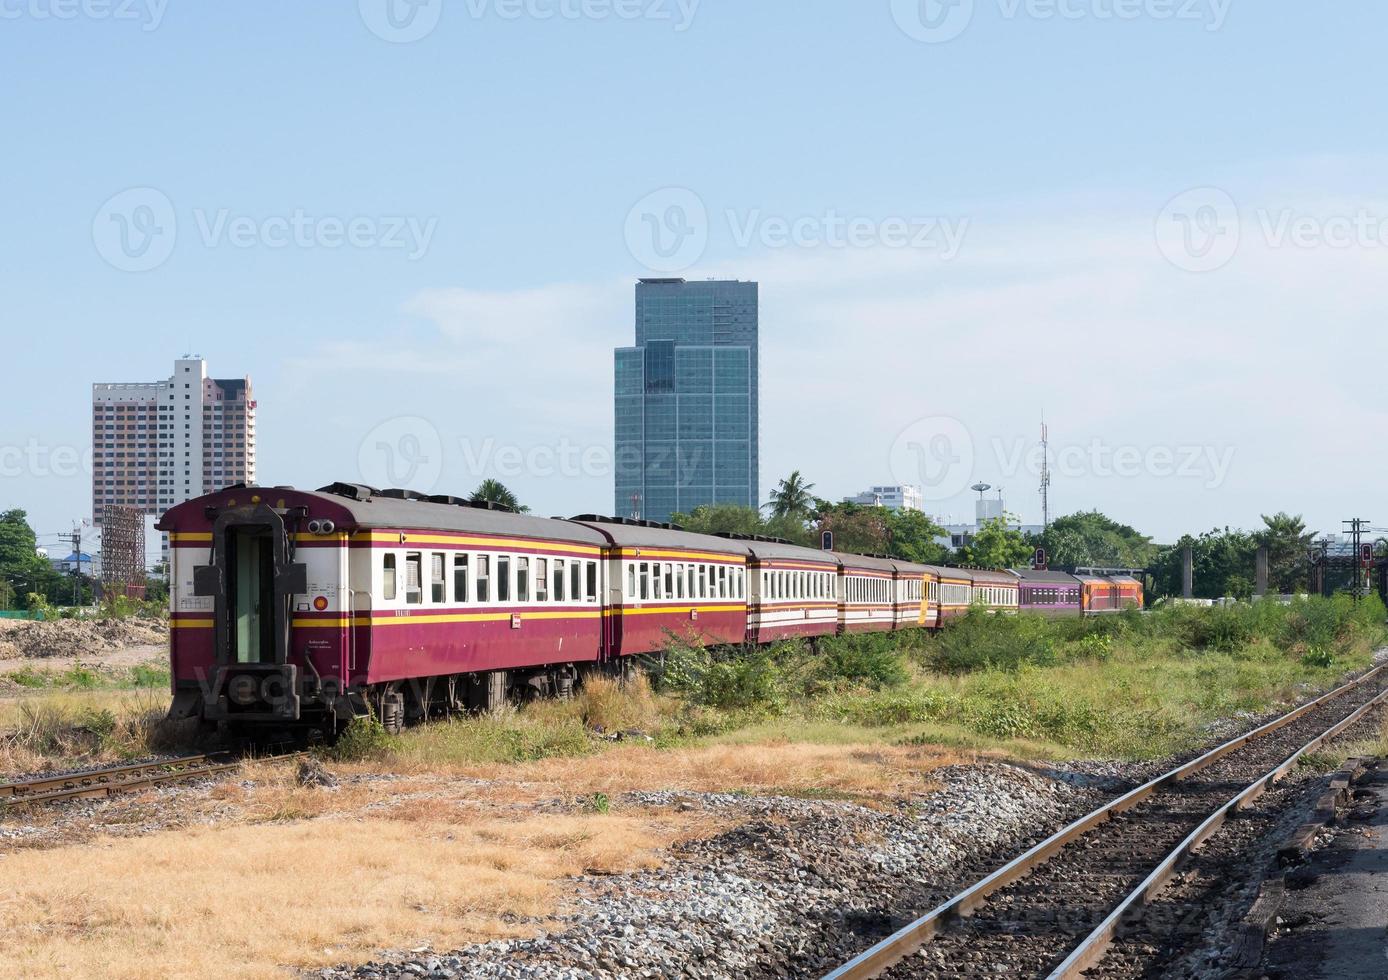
(893, 498)
(157, 444)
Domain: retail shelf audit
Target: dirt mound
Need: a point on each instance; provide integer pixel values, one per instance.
(77, 637)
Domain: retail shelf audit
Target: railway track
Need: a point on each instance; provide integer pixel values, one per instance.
(113, 780)
(1055, 910)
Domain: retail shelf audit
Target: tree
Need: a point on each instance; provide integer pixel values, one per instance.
(746, 521)
(913, 536)
(1288, 542)
(721, 519)
(1091, 539)
(496, 492)
(792, 498)
(21, 566)
(1224, 560)
(857, 530)
(997, 545)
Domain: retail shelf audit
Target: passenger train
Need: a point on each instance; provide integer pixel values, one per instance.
(306, 609)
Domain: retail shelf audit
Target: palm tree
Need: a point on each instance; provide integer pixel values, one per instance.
(496, 492)
(1287, 540)
(792, 498)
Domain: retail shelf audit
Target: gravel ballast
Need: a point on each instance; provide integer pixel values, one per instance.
(785, 892)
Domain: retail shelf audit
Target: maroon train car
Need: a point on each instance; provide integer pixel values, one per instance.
(793, 593)
(664, 583)
(867, 594)
(294, 607)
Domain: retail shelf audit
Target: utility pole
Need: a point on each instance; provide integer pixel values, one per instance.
(1045, 476)
(1357, 526)
(1324, 565)
(77, 565)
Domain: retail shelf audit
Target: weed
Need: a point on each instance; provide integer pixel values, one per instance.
(363, 738)
(1318, 657)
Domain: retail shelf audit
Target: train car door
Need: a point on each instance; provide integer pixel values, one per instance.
(251, 594)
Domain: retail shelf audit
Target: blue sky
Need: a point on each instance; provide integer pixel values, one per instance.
(1065, 174)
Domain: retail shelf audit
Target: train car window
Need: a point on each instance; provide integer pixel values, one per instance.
(484, 578)
(658, 580)
(559, 580)
(669, 580)
(679, 581)
(460, 578)
(388, 575)
(575, 581)
(645, 580)
(438, 578)
(592, 581)
(631, 581)
(503, 578)
(722, 581)
(542, 580)
(522, 579)
(414, 587)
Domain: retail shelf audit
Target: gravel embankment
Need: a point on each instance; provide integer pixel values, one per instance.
(787, 891)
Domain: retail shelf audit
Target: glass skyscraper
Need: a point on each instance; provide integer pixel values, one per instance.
(687, 399)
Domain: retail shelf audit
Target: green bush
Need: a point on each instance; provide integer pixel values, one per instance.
(727, 677)
(980, 641)
(872, 659)
(1098, 646)
(363, 738)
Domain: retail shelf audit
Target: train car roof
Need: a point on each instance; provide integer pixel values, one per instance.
(382, 512)
(783, 551)
(1032, 575)
(863, 561)
(944, 571)
(366, 508)
(987, 575)
(631, 534)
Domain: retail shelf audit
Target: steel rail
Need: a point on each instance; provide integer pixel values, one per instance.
(27, 788)
(907, 940)
(1096, 944)
(118, 787)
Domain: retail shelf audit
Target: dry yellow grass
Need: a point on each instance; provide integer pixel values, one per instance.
(863, 772)
(254, 901)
